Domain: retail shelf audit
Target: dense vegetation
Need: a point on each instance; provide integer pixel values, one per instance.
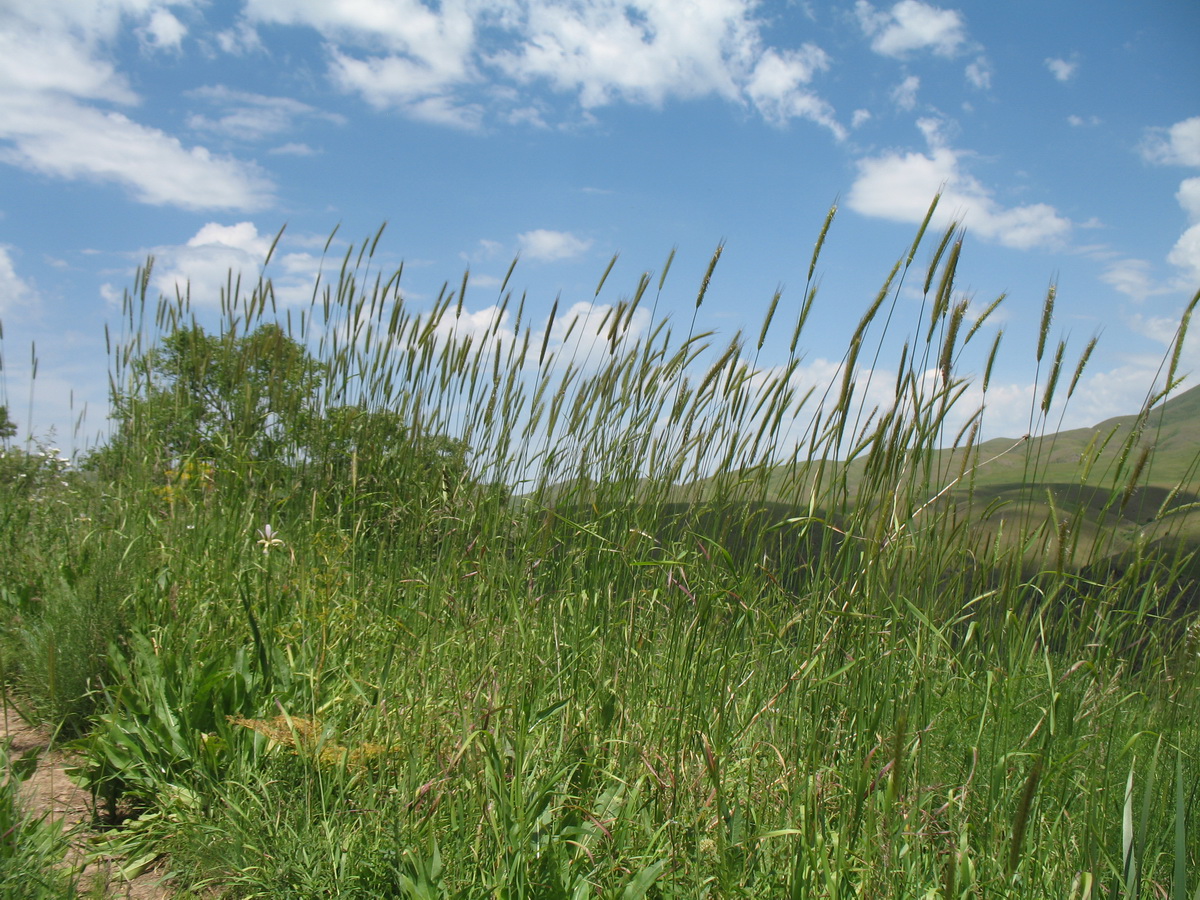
(354, 604)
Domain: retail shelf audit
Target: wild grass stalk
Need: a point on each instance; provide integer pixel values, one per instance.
(588, 606)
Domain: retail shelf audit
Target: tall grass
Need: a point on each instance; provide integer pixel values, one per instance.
(676, 625)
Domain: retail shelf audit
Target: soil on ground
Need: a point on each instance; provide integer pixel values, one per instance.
(48, 790)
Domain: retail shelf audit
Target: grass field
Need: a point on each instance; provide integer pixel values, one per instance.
(354, 605)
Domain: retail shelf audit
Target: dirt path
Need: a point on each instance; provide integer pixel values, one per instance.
(49, 790)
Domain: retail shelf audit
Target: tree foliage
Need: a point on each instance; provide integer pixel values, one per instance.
(251, 407)
(207, 396)
(8, 428)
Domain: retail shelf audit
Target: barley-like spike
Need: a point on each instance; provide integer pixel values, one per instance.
(873, 309)
(712, 264)
(462, 293)
(274, 244)
(937, 255)
(607, 269)
(1079, 366)
(329, 240)
(803, 317)
(1180, 334)
(912, 251)
(983, 317)
(991, 360)
(812, 265)
(941, 301)
(378, 235)
(762, 334)
(1047, 316)
(549, 327)
(507, 275)
(662, 279)
(900, 370)
(947, 356)
(1135, 475)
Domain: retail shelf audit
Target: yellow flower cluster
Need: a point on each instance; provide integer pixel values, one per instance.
(307, 734)
(183, 484)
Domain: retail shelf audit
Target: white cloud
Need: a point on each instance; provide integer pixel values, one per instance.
(241, 39)
(1178, 145)
(1189, 198)
(979, 73)
(163, 31)
(1083, 121)
(860, 117)
(448, 63)
(53, 66)
(251, 117)
(1062, 69)
(900, 186)
(34, 61)
(426, 52)
(586, 326)
(643, 51)
(1186, 255)
(550, 246)
(204, 263)
(911, 25)
(579, 334)
(1132, 278)
(776, 88)
(904, 95)
(55, 136)
(292, 149)
(17, 296)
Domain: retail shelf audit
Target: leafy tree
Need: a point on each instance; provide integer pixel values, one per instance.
(200, 408)
(8, 428)
(215, 397)
(371, 467)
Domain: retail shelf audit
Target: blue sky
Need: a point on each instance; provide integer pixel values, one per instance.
(1065, 135)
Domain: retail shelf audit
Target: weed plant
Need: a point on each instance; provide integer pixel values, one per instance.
(31, 846)
(592, 607)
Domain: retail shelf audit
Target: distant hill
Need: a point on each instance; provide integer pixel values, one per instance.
(1087, 495)
(1127, 480)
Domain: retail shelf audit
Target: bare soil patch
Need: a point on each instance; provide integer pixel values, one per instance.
(48, 790)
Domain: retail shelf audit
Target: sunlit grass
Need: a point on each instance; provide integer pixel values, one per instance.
(603, 607)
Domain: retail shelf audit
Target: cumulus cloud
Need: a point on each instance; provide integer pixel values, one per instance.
(436, 63)
(201, 266)
(581, 334)
(904, 95)
(899, 186)
(403, 54)
(551, 246)
(17, 296)
(911, 25)
(642, 51)
(777, 88)
(1061, 69)
(1179, 145)
(163, 31)
(979, 74)
(1186, 252)
(53, 71)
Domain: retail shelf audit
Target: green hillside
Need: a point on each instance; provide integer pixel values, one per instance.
(1086, 495)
